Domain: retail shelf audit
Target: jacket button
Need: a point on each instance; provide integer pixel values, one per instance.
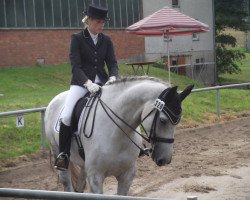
(95, 67)
(95, 60)
(95, 52)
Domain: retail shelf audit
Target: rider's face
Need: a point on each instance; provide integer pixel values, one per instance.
(96, 25)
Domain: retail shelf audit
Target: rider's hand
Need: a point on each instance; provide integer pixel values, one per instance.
(111, 80)
(92, 87)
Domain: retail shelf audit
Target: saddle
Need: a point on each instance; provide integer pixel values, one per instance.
(78, 111)
(76, 115)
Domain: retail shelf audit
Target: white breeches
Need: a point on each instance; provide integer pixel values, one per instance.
(75, 93)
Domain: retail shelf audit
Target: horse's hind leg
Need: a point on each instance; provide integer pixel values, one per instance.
(125, 180)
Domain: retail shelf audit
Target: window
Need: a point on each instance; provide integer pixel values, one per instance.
(167, 38)
(39, 14)
(30, 16)
(2, 11)
(10, 12)
(65, 13)
(174, 61)
(48, 13)
(195, 37)
(199, 63)
(175, 3)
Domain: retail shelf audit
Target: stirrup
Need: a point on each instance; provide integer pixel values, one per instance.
(62, 162)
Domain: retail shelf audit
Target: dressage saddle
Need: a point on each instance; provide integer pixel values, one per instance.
(81, 103)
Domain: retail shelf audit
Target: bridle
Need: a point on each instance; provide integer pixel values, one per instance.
(160, 106)
(152, 137)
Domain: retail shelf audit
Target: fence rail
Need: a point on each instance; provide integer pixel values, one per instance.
(42, 109)
(32, 110)
(52, 195)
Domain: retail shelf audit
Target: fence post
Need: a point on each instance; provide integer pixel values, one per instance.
(218, 102)
(43, 133)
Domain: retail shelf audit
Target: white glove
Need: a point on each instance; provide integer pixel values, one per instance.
(111, 80)
(92, 87)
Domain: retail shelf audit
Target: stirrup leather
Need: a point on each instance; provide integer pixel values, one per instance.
(62, 162)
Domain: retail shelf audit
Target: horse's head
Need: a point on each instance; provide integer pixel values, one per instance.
(161, 122)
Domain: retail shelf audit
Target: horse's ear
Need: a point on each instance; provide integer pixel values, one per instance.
(170, 93)
(186, 92)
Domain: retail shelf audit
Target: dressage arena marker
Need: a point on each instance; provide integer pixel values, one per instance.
(20, 121)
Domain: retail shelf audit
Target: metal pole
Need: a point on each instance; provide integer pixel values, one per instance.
(43, 194)
(18, 112)
(214, 43)
(218, 102)
(220, 87)
(169, 80)
(43, 134)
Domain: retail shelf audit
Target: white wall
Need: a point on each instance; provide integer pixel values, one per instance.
(197, 9)
(201, 10)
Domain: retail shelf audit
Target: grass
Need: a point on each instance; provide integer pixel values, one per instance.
(31, 87)
(243, 76)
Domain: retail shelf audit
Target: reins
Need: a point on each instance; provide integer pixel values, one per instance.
(103, 104)
(150, 137)
(106, 108)
(90, 105)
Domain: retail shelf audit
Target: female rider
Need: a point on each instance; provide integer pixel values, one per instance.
(90, 50)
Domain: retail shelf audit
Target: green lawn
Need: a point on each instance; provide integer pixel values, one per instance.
(32, 87)
(243, 76)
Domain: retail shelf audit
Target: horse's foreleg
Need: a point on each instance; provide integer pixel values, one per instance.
(65, 178)
(96, 183)
(81, 180)
(125, 180)
(66, 181)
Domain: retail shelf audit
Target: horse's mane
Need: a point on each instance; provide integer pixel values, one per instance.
(137, 78)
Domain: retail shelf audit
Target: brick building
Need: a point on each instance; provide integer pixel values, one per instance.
(34, 31)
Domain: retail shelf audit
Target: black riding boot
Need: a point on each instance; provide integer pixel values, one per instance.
(62, 160)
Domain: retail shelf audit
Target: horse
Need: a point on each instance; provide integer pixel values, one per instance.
(109, 131)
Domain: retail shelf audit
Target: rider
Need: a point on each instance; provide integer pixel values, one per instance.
(90, 50)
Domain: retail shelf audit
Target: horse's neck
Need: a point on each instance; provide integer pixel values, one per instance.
(128, 100)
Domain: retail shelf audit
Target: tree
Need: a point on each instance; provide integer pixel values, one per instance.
(228, 14)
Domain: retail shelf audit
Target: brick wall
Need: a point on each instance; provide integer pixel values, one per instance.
(24, 47)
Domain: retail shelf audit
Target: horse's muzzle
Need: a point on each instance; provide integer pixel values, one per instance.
(162, 162)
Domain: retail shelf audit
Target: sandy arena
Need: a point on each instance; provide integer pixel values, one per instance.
(211, 162)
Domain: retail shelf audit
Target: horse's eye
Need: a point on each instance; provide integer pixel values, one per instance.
(163, 120)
